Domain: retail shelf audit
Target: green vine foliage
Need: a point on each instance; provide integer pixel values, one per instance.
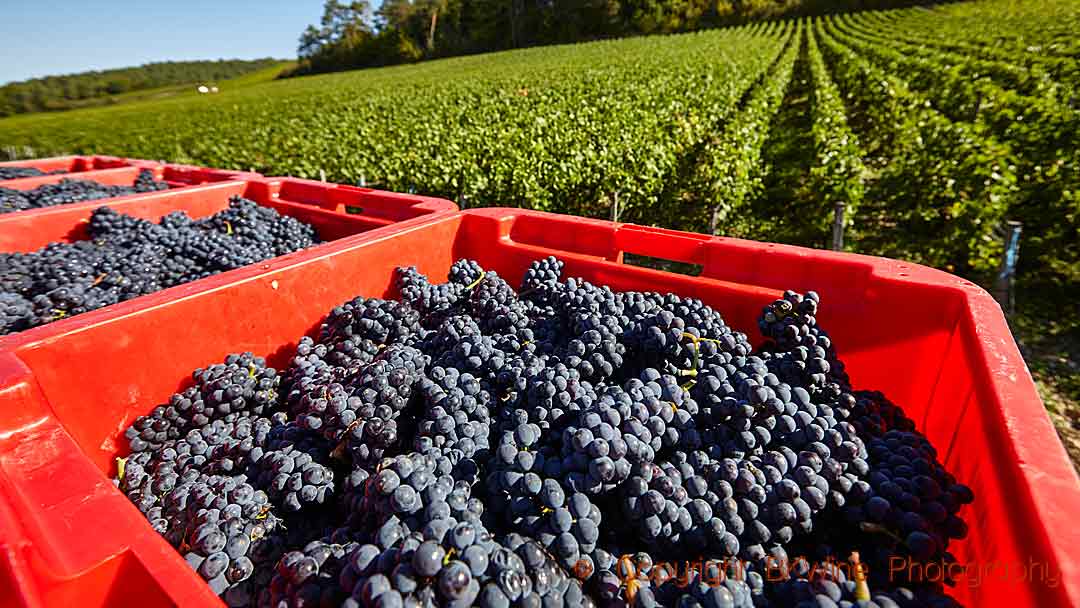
(933, 127)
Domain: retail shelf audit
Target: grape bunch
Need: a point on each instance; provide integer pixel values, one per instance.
(14, 172)
(562, 444)
(127, 257)
(242, 385)
(292, 468)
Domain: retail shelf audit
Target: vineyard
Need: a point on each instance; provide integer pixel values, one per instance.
(933, 127)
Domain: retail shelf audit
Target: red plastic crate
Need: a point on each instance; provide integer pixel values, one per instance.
(76, 164)
(934, 343)
(177, 176)
(115, 176)
(29, 231)
(188, 175)
(322, 205)
(380, 205)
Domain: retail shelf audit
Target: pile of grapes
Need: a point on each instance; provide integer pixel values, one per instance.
(561, 444)
(127, 257)
(68, 191)
(20, 172)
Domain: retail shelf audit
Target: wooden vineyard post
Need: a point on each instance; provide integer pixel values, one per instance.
(1003, 283)
(838, 226)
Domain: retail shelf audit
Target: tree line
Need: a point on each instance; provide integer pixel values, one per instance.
(76, 90)
(351, 35)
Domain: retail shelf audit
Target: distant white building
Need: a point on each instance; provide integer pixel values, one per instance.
(203, 88)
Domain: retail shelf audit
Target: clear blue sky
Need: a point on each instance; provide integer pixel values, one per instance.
(46, 37)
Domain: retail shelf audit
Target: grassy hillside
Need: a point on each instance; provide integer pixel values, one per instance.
(185, 90)
(95, 88)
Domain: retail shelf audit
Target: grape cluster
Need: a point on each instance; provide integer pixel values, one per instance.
(19, 172)
(911, 496)
(68, 191)
(433, 302)
(639, 581)
(562, 444)
(127, 257)
(292, 468)
(242, 385)
(462, 565)
(309, 576)
(16, 312)
(15, 172)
